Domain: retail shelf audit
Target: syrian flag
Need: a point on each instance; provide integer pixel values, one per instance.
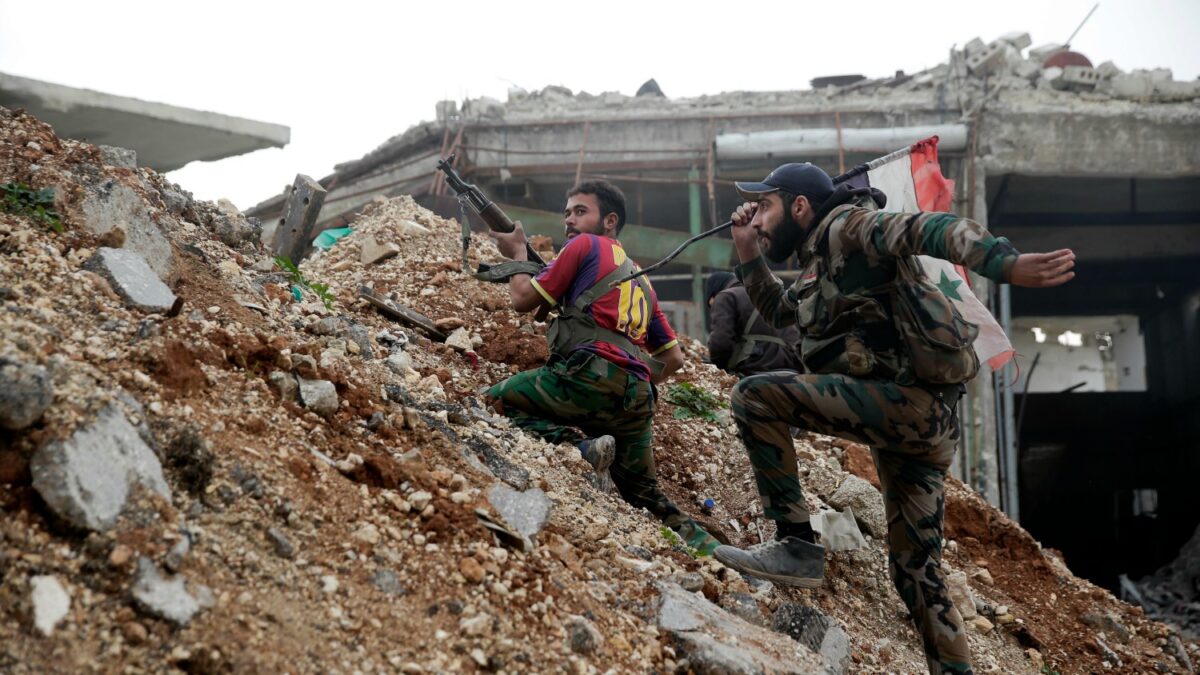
(912, 180)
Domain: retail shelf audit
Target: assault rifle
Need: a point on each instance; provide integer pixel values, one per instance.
(491, 214)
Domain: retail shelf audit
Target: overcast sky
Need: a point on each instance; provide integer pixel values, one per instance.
(347, 75)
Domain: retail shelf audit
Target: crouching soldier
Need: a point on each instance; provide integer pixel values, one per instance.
(608, 348)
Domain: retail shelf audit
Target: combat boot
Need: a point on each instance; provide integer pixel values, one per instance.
(600, 453)
(790, 561)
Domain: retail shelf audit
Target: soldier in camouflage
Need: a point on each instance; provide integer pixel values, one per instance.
(864, 377)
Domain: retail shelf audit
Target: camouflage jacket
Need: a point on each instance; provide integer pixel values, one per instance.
(842, 300)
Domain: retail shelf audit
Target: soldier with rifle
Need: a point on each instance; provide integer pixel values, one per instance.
(609, 346)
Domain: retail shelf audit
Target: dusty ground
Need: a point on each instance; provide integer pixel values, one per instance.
(372, 579)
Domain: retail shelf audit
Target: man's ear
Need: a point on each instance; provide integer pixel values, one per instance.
(610, 225)
(801, 205)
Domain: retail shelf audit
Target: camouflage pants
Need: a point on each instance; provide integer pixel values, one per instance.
(912, 435)
(589, 393)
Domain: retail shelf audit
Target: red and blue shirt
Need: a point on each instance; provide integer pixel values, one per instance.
(586, 259)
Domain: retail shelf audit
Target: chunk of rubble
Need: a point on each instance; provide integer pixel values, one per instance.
(460, 339)
(818, 632)
(25, 393)
(122, 158)
(527, 511)
(87, 478)
(319, 396)
(960, 594)
(166, 598)
(50, 602)
(865, 501)
(374, 252)
(133, 279)
(116, 206)
(715, 641)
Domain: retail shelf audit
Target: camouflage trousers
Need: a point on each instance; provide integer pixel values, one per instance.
(912, 434)
(590, 394)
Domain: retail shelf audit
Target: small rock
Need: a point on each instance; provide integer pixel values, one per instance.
(120, 555)
(460, 339)
(475, 626)
(471, 570)
(983, 576)
(387, 582)
(866, 502)
(639, 551)
(367, 534)
(162, 597)
(320, 396)
(982, 625)
(50, 601)
(285, 384)
(818, 632)
(582, 636)
(420, 499)
(283, 545)
(122, 158)
(960, 594)
(527, 511)
(134, 632)
(449, 323)
(329, 584)
(25, 393)
(689, 581)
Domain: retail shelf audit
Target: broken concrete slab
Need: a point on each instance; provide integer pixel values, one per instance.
(818, 632)
(133, 279)
(116, 206)
(25, 393)
(122, 158)
(51, 603)
(460, 339)
(714, 641)
(860, 496)
(527, 511)
(87, 478)
(285, 384)
(374, 252)
(319, 396)
(838, 529)
(165, 598)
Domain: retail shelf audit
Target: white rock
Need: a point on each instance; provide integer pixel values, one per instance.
(50, 601)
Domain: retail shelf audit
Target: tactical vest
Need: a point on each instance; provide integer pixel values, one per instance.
(743, 348)
(574, 327)
(901, 328)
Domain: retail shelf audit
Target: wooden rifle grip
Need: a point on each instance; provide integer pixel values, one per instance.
(496, 219)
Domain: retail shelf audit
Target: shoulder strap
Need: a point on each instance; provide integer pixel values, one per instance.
(601, 285)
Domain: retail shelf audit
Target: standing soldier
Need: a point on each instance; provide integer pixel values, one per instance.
(884, 355)
(600, 377)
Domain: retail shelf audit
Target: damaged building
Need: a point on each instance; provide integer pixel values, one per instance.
(1091, 441)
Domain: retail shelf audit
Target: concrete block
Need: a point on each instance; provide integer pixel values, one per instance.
(1108, 70)
(373, 252)
(1027, 70)
(25, 393)
(133, 279)
(1040, 54)
(87, 478)
(1017, 39)
(989, 60)
(295, 231)
(975, 46)
(116, 206)
(1130, 86)
(1077, 78)
(866, 502)
(122, 158)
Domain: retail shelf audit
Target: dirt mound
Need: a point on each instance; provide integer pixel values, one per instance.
(326, 468)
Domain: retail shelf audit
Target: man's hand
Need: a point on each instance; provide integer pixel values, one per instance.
(1043, 270)
(511, 244)
(745, 237)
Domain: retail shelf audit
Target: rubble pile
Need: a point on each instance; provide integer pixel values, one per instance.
(205, 469)
(1172, 594)
(1006, 68)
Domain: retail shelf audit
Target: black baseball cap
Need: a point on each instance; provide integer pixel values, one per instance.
(796, 178)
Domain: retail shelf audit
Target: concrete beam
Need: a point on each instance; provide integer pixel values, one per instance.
(1147, 141)
(165, 137)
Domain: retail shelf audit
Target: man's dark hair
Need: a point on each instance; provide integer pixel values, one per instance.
(608, 196)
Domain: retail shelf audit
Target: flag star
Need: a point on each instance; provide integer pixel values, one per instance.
(949, 287)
